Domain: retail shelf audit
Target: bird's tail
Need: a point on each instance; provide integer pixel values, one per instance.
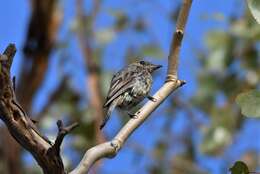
(109, 111)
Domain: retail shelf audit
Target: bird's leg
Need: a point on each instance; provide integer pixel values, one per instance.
(133, 115)
(151, 98)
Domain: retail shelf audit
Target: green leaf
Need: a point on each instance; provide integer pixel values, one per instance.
(152, 51)
(254, 7)
(219, 45)
(105, 35)
(215, 140)
(249, 103)
(239, 168)
(121, 19)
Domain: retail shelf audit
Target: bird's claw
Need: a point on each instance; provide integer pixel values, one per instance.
(133, 116)
(152, 98)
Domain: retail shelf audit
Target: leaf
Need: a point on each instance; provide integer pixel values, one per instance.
(249, 103)
(140, 25)
(219, 45)
(254, 7)
(152, 51)
(121, 19)
(239, 168)
(105, 36)
(215, 140)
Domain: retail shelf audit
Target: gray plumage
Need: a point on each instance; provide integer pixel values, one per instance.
(129, 87)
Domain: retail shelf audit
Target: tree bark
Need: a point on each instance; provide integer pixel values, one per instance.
(23, 129)
(40, 39)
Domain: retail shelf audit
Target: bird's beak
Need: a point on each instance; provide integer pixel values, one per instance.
(155, 67)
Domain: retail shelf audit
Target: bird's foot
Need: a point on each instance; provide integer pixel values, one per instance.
(151, 98)
(34, 121)
(133, 115)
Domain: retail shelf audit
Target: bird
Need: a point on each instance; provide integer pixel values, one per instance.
(129, 87)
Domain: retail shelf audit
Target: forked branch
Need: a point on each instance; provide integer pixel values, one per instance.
(22, 128)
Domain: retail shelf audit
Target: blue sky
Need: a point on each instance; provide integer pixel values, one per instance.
(14, 20)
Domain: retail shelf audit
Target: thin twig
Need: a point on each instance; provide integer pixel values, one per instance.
(62, 132)
(173, 58)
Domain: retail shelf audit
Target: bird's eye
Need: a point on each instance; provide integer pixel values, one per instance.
(142, 62)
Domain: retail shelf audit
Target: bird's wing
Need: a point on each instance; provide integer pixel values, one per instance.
(119, 84)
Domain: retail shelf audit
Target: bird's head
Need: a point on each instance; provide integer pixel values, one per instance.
(147, 65)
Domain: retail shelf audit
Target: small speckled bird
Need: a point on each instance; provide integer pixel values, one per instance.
(129, 87)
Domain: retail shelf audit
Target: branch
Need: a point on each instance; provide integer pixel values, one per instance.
(63, 131)
(22, 128)
(93, 79)
(39, 41)
(173, 58)
(110, 149)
